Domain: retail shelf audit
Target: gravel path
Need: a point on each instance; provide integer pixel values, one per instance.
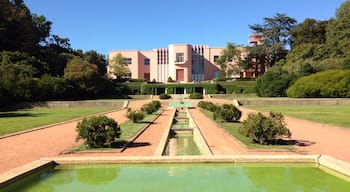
(310, 138)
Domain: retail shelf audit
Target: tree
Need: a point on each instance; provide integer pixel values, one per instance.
(83, 75)
(119, 67)
(274, 83)
(309, 31)
(277, 32)
(256, 59)
(97, 59)
(20, 30)
(338, 31)
(17, 71)
(228, 55)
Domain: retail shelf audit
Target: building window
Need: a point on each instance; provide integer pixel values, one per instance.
(216, 57)
(230, 59)
(127, 61)
(146, 61)
(179, 58)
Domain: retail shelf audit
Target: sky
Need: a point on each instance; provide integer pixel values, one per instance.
(107, 25)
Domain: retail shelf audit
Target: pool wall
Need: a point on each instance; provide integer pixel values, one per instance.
(322, 160)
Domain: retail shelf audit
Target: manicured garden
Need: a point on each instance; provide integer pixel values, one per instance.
(257, 132)
(24, 119)
(333, 115)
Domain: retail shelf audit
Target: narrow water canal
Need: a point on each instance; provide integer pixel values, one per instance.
(181, 140)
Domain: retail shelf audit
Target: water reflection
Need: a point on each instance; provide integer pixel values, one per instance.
(97, 176)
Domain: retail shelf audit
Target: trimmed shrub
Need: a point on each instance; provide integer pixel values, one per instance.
(331, 83)
(196, 96)
(164, 96)
(274, 83)
(207, 106)
(227, 112)
(98, 131)
(151, 107)
(135, 116)
(265, 130)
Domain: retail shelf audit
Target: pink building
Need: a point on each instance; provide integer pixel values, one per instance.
(181, 62)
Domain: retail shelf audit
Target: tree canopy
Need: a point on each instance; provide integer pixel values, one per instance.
(228, 55)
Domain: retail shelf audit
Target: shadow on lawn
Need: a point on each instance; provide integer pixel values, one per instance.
(122, 144)
(295, 142)
(16, 114)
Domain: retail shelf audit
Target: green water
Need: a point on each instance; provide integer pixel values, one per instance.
(183, 178)
(186, 145)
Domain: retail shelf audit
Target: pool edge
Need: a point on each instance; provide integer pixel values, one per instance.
(323, 160)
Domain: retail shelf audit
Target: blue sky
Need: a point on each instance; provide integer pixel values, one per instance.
(107, 25)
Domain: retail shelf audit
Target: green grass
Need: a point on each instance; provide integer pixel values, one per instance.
(20, 120)
(129, 129)
(233, 129)
(333, 115)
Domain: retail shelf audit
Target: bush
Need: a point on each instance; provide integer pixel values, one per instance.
(274, 83)
(135, 116)
(207, 106)
(331, 83)
(164, 96)
(265, 130)
(151, 107)
(196, 96)
(98, 131)
(227, 112)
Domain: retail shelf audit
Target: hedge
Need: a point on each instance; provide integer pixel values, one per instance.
(210, 88)
(330, 83)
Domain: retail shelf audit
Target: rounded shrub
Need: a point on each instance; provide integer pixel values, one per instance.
(98, 131)
(227, 112)
(135, 116)
(331, 83)
(274, 83)
(265, 130)
(196, 96)
(207, 105)
(151, 107)
(164, 96)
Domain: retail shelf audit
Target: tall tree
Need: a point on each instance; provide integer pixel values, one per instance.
(338, 31)
(309, 31)
(256, 60)
(83, 75)
(95, 58)
(19, 29)
(118, 66)
(277, 33)
(227, 58)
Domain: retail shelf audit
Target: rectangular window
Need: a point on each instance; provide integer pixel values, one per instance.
(146, 61)
(216, 57)
(180, 58)
(127, 61)
(230, 59)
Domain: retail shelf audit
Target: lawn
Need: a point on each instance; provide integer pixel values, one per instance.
(129, 129)
(20, 120)
(233, 129)
(333, 115)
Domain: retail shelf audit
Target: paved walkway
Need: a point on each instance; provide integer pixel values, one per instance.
(24, 148)
(313, 138)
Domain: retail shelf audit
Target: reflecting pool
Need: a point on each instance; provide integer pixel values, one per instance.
(204, 177)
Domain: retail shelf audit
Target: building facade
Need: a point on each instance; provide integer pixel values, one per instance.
(180, 62)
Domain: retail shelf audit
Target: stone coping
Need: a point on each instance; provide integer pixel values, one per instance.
(340, 167)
